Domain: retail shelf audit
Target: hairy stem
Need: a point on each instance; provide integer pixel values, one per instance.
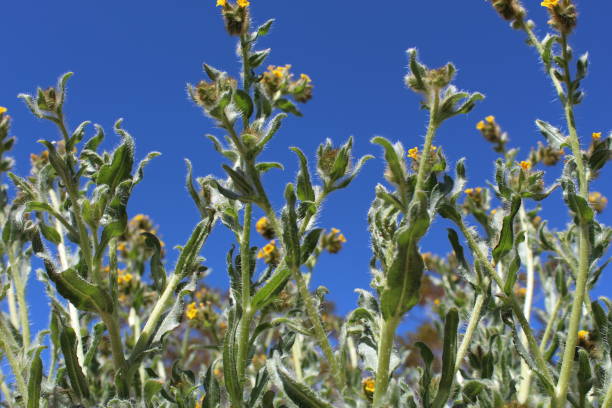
(247, 314)
(469, 332)
(385, 348)
(319, 331)
(607, 402)
(525, 385)
(22, 304)
(429, 136)
(7, 345)
(583, 243)
(550, 324)
(516, 308)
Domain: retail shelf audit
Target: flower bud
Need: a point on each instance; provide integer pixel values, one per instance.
(236, 16)
(333, 241)
(597, 201)
(264, 228)
(510, 10)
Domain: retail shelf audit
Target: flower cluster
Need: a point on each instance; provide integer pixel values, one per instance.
(492, 132)
(333, 241)
(269, 253)
(278, 81)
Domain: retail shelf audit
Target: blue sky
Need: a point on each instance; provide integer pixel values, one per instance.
(132, 60)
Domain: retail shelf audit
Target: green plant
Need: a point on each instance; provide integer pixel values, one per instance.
(123, 332)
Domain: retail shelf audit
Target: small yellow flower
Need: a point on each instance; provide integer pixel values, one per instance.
(525, 165)
(243, 3)
(306, 78)
(490, 119)
(549, 4)
(521, 292)
(596, 135)
(437, 302)
(469, 191)
(598, 201)
(221, 3)
(494, 211)
(2, 110)
(583, 335)
(124, 278)
(478, 190)
(192, 311)
(121, 247)
(413, 153)
(369, 386)
(264, 228)
(480, 125)
(269, 253)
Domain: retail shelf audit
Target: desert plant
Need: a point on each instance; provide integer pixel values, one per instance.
(123, 332)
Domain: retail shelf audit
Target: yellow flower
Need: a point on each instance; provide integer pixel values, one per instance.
(480, 125)
(221, 3)
(306, 78)
(192, 311)
(525, 165)
(549, 4)
(413, 153)
(469, 191)
(124, 278)
(2, 110)
(264, 228)
(243, 3)
(596, 135)
(478, 190)
(490, 119)
(521, 292)
(583, 335)
(437, 302)
(368, 386)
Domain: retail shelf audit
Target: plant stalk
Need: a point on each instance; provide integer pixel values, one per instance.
(469, 332)
(525, 385)
(385, 348)
(247, 313)
(7, 345)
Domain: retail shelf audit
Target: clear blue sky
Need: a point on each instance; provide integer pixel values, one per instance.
(132, 59)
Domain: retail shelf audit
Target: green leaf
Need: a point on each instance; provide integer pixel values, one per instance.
(287, 106)
(152, 388)
(143, 163)
(299, 393)
(243, 102)
(157, 267)
(93, 143)
(264, 29)
(262, 167)
(35, 379)
(393, 161)
(449, 355)
(273, 127)
(553, 136)
(77, 135)
(120, 167)
(50, 233)
(258, 57)
(211, 387)
(78, 381)
(506, 238)
(425, 379)
(115, 217)
(189, 254)
(305, 192)
(585, 374)
(453, 237)
(291, 239)
(240, 181)
(267, 293)
(230, 353)
(310, 243)
(403, 280)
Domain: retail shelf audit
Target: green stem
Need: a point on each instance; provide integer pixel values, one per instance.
(550, 324)
(319, 331)
(7, 345)
(469, 332)
(247, 313)
(525, 385)
(385, 347)
(429, 136)
(119, 361)
(607, 402)
(583, 243)
(516, 308)
(21, 298)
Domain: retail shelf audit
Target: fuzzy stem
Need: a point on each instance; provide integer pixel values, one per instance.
(525, 385)
(12, 305)
(583, 243)
(63, 258)
(319, 331)
(385, 347)
(469, 332)
(22, 304)
(607, 402)
(121, 367)
(516, 308)
(247, 313)
(550, 324)
(7, 345)
(429, 136)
